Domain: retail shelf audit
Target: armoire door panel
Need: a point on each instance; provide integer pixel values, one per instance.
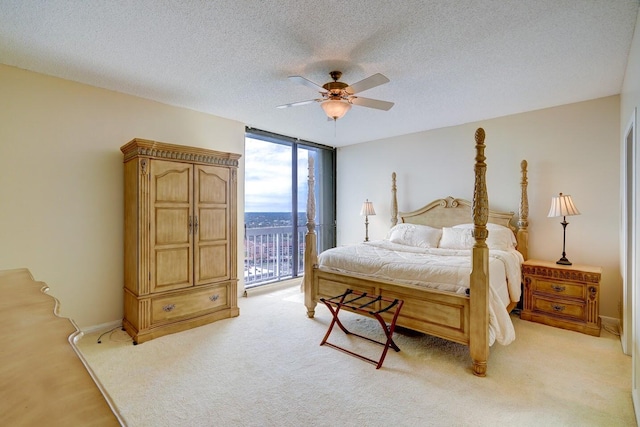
(175, 226)
(213, 224)
(212, 185)
(211, 244)
(213, 265)
(172, 182)
(171, 237)
(172, 270)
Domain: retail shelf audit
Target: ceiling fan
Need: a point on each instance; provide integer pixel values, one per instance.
(337, 97)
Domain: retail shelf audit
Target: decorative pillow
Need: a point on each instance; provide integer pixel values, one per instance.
(500, 237)
(421, 236)
(456, 238)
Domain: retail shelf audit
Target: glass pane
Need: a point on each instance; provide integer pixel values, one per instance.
(268, 212)
(276, 188)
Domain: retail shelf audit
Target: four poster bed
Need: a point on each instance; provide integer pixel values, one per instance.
(439, 260)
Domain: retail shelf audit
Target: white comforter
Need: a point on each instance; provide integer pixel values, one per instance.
(444, 269)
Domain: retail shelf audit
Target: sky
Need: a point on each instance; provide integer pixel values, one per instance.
(268, 177)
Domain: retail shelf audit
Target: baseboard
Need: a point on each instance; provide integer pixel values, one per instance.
(611, 325)
(270, 287)
(102, 327)
(611, 321)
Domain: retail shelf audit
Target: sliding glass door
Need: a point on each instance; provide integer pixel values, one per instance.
(276, 190)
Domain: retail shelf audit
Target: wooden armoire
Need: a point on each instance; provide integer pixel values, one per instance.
(180, 238)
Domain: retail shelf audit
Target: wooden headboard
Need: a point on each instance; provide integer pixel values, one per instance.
(450, 211)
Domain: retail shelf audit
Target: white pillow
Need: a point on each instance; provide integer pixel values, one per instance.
(500, 237)
(456, 238)
(421, 236)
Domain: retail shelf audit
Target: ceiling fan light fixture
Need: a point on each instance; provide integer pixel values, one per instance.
(335, 109)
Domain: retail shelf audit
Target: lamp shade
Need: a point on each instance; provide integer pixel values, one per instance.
(335, 109)
(562, 205)
(367, 209)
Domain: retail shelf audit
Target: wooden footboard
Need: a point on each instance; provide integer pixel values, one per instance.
(459, 318)
(432, 312)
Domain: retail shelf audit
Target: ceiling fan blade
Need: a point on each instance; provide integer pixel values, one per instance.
(371, 103)
(368, 83)
(295, 104)
(306, 82)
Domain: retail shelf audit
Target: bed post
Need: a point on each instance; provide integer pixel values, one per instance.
(479, 280)
(394, 200)
(523, 220)
(310, 250)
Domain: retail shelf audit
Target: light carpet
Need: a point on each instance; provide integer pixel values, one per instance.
(266, 368)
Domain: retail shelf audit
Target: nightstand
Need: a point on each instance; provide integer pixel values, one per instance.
(565, 296)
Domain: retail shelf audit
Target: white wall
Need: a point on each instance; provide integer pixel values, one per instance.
(61, 179)
(630, 99)
(574, 149)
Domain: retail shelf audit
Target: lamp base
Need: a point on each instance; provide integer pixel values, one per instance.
(563, 261)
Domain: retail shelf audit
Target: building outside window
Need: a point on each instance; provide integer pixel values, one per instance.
(276, 187)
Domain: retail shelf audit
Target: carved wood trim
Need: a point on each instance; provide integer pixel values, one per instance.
(144, 219)
(480, 207)
(394, 200)
(522, 236)
(572, 275)
(164, 151)
(310, 239)
(479, 279)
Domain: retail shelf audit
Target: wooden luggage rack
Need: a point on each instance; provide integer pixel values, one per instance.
(364, 304)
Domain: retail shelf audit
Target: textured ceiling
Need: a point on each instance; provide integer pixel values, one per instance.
(449, 61)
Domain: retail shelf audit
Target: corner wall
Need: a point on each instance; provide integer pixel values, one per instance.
(573, 149)
(630, 100)
(61, 182)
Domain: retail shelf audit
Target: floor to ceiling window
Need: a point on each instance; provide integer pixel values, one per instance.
(276, 187)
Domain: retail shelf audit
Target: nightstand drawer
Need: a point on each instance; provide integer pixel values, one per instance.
(559, 307)
(564, 289)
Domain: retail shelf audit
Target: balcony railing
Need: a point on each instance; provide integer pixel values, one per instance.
(272, 254)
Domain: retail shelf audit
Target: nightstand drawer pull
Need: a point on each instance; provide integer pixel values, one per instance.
(558, 288)
(558, 308)
(214, 297)
(168, 307)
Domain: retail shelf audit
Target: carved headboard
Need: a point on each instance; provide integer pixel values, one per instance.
(449, 212)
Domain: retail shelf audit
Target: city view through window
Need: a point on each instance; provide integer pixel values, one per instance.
(276, 188)
(274, 241)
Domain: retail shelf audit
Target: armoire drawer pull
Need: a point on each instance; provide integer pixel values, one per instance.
(168, 307)
(557, 307)
(214, 297)
(558, 288)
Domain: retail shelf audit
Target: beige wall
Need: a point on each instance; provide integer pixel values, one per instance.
(572, 149)
(61, 181)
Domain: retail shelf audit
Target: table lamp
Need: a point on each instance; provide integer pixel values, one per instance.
(367, 210)
(563, 206)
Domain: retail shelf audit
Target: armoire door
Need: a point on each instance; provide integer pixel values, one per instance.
(211, 232)
(171, 226)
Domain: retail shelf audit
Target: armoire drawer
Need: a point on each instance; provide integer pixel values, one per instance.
(188, 304)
